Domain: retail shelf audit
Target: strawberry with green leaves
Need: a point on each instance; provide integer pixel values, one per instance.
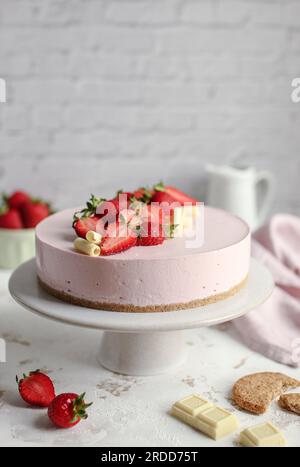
(86, 219)
(143, 194)
(68, 409)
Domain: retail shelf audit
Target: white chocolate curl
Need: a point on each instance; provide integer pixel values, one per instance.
(93, 237)
(86, 247)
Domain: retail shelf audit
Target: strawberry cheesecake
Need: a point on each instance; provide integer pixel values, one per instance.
(131, 253)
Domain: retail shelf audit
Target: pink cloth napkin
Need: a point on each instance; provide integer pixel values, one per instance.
(273, 329)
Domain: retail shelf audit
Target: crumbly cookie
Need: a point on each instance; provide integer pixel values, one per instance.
(290, 402)
(255, 392)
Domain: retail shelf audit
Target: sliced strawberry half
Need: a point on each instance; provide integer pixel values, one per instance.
(83, 225)
(170, 194)
(36, 389)
(114, 245)
(154, 236)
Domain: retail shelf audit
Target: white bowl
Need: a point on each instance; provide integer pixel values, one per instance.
(16, 246)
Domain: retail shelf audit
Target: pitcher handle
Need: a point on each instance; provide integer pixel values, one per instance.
(264, 191)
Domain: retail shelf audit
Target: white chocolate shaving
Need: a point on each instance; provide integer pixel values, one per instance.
(93, 237)
(90, 249)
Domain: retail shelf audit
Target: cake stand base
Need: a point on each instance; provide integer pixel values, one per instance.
(142, 354)
(140, 343)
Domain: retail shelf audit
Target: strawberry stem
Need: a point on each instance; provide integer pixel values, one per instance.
(159, 187)
(89, 210)
(79, 408)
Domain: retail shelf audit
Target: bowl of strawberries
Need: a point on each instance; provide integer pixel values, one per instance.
(19, 215)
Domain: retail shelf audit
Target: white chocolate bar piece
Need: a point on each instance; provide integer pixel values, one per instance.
(86, 247)
(262, 435)
(93, 237)
(191, 405)
(205, 416)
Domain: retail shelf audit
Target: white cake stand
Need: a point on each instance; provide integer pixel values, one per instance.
(140, 343)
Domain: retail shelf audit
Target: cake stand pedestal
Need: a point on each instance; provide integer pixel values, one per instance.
(140, 343)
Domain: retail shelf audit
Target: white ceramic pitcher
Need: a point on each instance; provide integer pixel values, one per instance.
(244, 191)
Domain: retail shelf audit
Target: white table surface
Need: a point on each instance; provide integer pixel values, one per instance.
(127, 411)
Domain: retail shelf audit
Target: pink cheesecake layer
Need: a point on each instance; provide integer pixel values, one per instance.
(146, 276)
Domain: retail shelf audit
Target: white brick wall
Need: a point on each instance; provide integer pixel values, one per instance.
(106, 94)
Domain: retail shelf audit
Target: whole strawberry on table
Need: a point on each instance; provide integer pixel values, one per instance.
(127, 220)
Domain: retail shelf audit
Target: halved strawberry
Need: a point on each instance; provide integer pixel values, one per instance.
(36, 389)
(86, 219)
(119, 238)
(170, 194)
(83, 225)
(151, 234)
(150, 241)
(162, 197)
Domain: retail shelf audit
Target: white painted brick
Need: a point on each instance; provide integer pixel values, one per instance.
(109, 92)
(184, 94)
(170, 121)
(43, 91)
(291, 13)
(93, 11)
(193, 42)
(233, 12)
(212, 68)
(142, 12)
(295, 42)
(199, 11)
(115, 66)
(58, 11)
(292, 66)
(162, 68)
(52, 64)
(24, 143)
(15, 118)
(42, 40)
(14, 12)
(48, 117)
(84, 117)
(66, 142)
(121, 39)
(17, 65)
(262, 66)
(268, 13)
(216, 120)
